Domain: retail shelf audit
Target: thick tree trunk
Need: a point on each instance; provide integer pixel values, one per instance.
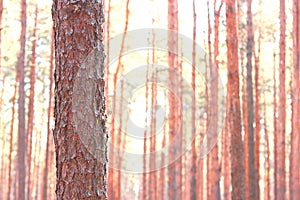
(21, 108)
(234, 113)
(80, 161)
(280, 143)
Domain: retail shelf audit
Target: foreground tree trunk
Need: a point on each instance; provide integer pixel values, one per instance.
(234, 112)
(80, 168)
(21, 154)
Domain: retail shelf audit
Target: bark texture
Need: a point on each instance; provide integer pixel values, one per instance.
(80, 169)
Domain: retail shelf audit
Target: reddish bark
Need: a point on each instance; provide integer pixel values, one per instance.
(226, 169)
(194, 168)
(234, 113)
(213, 160)
(77, 32)
(275, 120)
(257, 126)
(174, 173)
(295, 138)
(280, 139)
(251, 176)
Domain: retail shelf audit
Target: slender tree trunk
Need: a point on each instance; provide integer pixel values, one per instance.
(30, 119)
(275, 122)
(226, 169)
(213, 160)
(194, 187)
(173, 189)
(234, 115)
(280, 143)
(250, 111)
(80, 168)
(295, 141)
(267, 156)
(11, 140)
(21, 153)
(257, 124)
(44, 188)
(116, 175)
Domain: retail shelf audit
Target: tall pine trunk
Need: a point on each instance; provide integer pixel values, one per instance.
(251, 176)
(294, 157)
(280, 138)
(234, 112)
(30, 115)
(21, 153)
(80, 167)
(174, 189)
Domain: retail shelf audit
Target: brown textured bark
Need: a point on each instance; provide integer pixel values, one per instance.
(295, 138)
(50, 104)
(234, 113)
(280, 139)
(30, 119)
(21, 153)
(251, 176)
(77, 32)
